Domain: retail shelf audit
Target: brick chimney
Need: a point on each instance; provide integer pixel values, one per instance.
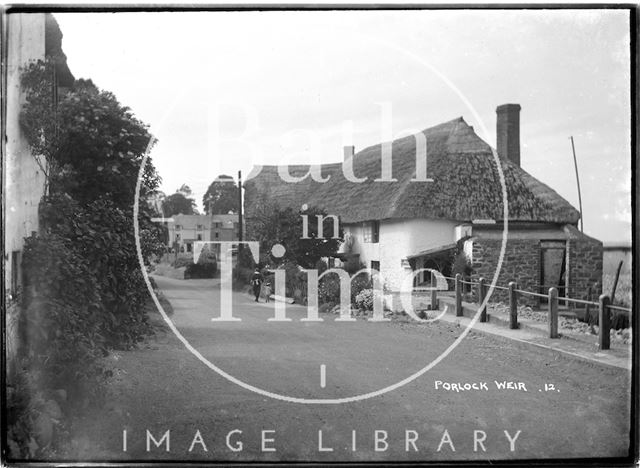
(508, 132)
(348, 152)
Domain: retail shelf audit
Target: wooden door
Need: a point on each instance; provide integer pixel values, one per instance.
(552, 266)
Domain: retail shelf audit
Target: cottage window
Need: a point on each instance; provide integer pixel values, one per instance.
(375, 265)
(371, 232)
(178, 227)
(199, 227)
(217, 225)
(199, 237)
(217, 235)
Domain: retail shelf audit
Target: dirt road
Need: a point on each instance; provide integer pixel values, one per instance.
(555, 408)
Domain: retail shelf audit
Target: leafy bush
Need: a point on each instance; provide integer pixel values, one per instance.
(85, 293)
(272, 225)
(321, 266)
(326, 307)
(329, 287)
(353, 264)
(364, 299)
(295, 282)
(242, 276)
(64, 319)
(182, 262)
(201, 270)
(360, 283)
(101, 234)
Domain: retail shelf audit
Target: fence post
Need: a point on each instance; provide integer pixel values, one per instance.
(481, 295)
(553, 313)
(458, 295)
(513, 306)
(603, 322)
(434, 292)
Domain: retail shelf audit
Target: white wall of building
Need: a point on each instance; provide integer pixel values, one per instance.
(189, 230)
(23, 178)
(398, 239)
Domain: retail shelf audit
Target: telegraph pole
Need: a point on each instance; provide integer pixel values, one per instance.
(240, 233)
(575, 162)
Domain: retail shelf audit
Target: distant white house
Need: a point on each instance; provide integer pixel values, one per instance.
(185, 230)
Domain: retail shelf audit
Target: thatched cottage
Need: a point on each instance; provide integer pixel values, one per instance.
(400, 226)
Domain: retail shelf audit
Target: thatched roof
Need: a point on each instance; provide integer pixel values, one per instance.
(466, 184)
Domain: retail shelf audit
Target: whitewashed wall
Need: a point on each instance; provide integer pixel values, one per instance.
(24, 181)
(400, 238)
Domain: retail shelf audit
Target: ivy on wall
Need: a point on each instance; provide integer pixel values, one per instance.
(84, 293)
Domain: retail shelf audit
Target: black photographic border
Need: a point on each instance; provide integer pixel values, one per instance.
(633, 10)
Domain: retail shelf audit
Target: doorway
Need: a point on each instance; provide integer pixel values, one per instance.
(553, 261)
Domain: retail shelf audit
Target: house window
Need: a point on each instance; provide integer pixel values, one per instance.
(371, 232)
(217, 225)
(178, 227)
(217, 235)
(199, 227)
(375, 265)
(199, 237)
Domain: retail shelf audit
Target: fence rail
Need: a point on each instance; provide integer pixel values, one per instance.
(604, 305)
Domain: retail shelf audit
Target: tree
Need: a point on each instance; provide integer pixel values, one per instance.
(185, 190)
(178, 203)
(273, 225)
(90, 149)
(92, 145)
(221, 197)
(84, 292)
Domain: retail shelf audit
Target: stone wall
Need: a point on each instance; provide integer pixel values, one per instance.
(521, 263)
(584, 260)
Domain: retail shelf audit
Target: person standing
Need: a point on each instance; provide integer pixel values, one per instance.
(256, 283)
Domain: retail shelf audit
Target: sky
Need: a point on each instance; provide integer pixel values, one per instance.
(223, 91)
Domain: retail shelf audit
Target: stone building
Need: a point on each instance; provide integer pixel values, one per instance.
(404, 222)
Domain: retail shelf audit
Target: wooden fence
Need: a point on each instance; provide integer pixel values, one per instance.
(604, 305)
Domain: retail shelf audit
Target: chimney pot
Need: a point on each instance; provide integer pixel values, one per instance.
(508, 132)
(348, 152)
